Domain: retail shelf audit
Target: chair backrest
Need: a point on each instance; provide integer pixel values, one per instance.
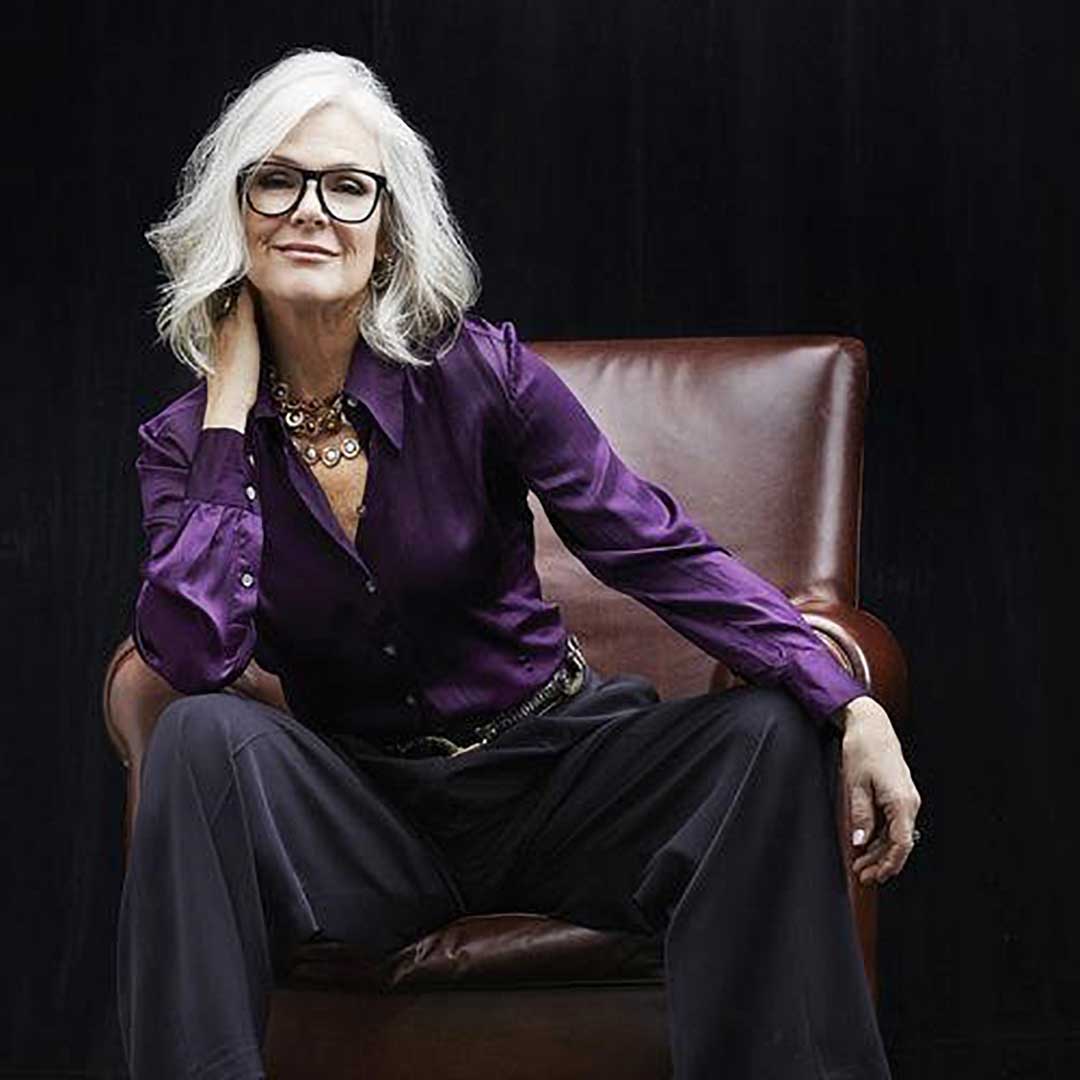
(759, 438)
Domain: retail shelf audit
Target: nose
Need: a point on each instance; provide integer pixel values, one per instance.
(309, 205)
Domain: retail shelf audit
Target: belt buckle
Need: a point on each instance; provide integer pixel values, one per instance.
(448, 748)
(464, 749)
(575, 657)
(571, 678)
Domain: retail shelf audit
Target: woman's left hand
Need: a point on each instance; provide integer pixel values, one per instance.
(879, 783)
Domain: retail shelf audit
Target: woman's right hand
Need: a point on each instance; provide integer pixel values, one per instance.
(233, 386)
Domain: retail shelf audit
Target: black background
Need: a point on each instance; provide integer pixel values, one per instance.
(900, 171)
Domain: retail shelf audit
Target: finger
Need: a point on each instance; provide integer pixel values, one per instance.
(900, 841)
(891, 864)
(874, 864)
(867, 868)
(871, 856)
(896, 855)
(873, 869)
(862, 814)
(877, 870)
(873, 849)
(875, 844)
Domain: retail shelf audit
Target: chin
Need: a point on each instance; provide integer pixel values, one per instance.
(293, 292)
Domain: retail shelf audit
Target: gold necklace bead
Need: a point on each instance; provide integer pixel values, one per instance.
(313, 417)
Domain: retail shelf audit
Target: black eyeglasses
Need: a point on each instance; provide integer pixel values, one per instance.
(347, 195)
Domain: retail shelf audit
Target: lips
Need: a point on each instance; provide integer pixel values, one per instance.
(304, 249)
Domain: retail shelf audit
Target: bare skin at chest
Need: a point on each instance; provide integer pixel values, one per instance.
(344, 485)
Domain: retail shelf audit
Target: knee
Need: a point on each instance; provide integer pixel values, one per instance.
(779, 724)
(196, 734)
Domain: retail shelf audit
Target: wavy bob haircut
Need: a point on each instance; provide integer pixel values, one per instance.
(202, 244)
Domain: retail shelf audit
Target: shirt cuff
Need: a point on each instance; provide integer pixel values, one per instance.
(220, 471)
(821, 684)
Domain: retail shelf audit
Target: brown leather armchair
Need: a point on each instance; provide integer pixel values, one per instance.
(761, 440)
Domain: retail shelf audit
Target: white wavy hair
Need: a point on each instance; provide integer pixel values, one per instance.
(202, 244)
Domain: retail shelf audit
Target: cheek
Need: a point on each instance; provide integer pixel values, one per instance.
(256, 241)
(364, 247)
(361, 254)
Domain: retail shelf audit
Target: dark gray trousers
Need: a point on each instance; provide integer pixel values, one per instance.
(709, 818)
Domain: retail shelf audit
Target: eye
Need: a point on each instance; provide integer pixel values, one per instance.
(274, 179)
(352, 185)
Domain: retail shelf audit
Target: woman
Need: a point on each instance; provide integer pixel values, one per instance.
(447, 746)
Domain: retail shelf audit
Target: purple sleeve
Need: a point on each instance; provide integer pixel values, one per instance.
(634, 536)
(194, 620)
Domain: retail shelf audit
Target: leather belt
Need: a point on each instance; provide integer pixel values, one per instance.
(469, 733)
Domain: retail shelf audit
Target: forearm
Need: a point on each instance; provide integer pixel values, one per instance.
(225, 411)
(194, 619)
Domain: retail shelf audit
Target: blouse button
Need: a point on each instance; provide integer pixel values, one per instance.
(390, 649)
(251, 459)
(350, 401)
(370, 586)
(246, 579)
(249, 491)
(410, 699)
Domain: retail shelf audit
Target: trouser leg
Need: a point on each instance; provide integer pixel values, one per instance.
(252, 835)
(711, 819)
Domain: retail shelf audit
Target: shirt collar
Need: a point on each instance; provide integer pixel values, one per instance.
(377, 383)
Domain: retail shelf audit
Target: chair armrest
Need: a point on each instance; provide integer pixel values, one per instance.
(867, 649)
(133, 696)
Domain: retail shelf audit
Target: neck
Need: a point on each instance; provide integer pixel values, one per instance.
(311, 345)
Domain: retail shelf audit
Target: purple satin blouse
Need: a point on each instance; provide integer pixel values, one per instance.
(435, 609)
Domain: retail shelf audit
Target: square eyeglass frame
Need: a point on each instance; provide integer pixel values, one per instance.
(242, 188)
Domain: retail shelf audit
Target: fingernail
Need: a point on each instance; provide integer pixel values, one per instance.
(858, 836)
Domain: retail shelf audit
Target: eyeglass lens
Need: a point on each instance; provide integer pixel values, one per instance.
(349, 195)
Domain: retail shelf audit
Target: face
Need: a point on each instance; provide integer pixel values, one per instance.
(330, 136)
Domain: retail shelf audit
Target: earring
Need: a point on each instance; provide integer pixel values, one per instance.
(224, 299)
(382, 271)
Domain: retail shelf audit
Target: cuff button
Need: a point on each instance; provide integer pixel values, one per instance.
(246, 579)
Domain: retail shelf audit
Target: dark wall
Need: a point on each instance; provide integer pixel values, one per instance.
(898, 171)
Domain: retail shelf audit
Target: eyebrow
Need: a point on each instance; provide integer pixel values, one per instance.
(339, 165)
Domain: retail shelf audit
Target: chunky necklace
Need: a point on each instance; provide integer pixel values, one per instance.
(308, 418)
